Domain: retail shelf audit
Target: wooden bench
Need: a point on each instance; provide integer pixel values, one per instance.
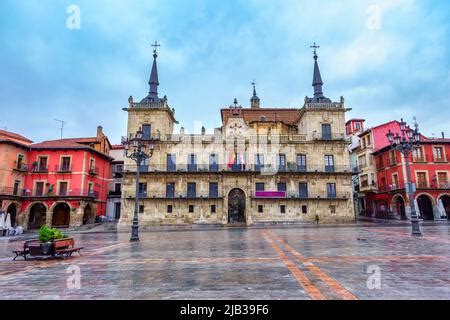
(59, 248)
(26, 249)
(65, 247)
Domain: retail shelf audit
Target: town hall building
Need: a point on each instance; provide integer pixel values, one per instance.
(263, 165)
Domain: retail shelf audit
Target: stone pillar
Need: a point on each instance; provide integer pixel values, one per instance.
(76, 217)
(48, 218)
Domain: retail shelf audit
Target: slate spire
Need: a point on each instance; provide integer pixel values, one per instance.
(254, 100)
(317, 82)
(153, 82)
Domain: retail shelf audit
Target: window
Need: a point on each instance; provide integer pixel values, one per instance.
(90, 188)
(332, 209)
(63, 188)
(380, 161)
(303, 189)
(331, 190)
(301, 162)
(192, 163)
(191, 208)
(213, 163)
(443, 180)
(326, 131)
(362, 161)
(171, 166)
(364, 180)
(329, 163)
(118, 168)
(369, 142)
(91, 164)
(191, 189)
(20, 162)
(118, 187)
(392, 157)
(259, 162)
(146, 131)
(304, 209)
(213, 208)
(281, 162)
(418, 155)
(141, 208)
(65, 164)
(42, 164)
(16, 187)
(143, 189)
(357, 126)
(213, 190)
(281, 186)
(383, 184)
(395, 184)
(260, 208)
(422, 180)
(169, 208)
(259, 186)
(170, 190)
(438, 154)
(282, 208)
(39, 189)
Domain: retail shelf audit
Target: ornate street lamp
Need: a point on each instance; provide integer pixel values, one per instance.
(136, 149)
(406, 143)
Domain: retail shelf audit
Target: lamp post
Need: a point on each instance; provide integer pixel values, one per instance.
(406, 143)
(136, 149)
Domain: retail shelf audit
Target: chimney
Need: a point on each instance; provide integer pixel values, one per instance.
(99, 132)
(443, 136)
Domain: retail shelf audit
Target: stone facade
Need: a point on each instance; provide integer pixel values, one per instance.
(268, 139)
(263, 165)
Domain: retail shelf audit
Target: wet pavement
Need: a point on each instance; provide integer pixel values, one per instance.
(351, 262)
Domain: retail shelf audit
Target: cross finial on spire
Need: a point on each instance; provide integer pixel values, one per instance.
(155, 45)
(315, 46)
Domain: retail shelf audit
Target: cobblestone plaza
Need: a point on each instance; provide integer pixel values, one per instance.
(360, 261)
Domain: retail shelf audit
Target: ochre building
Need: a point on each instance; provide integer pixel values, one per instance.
(263, 165)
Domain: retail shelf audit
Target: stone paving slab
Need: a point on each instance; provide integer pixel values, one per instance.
(255, 263)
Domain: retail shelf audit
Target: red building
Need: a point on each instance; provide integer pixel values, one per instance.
(430, 171)
(66, 182)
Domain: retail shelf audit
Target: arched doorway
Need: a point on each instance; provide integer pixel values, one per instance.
(400, 207)
(37, 217)
(87, 215)
(446, 202)
(236, 206)
(12, 210)
(61, 215)
(425, 207)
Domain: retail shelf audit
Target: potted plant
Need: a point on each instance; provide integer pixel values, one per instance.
(47, 236)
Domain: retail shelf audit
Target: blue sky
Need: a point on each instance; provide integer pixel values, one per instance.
(211, 51)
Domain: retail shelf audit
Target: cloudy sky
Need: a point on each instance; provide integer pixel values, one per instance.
(389, 59)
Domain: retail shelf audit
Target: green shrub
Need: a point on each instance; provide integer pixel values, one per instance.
(50, 234)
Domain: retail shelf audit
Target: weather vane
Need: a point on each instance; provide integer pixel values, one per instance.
(315, 46)
(155, 45)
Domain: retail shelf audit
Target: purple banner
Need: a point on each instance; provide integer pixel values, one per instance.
(270, 194)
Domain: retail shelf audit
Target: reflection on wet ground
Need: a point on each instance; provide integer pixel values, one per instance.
(273, 263)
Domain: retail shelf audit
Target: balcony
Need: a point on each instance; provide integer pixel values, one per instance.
(329, 137)
(63, 168)
(93, 171)
(115, 192)
(240, 168)
(422, 158)
(39, 193)
(22, 167)
(39, 169)
(440, 159)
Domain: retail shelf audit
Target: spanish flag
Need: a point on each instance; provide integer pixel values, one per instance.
(231, 159)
